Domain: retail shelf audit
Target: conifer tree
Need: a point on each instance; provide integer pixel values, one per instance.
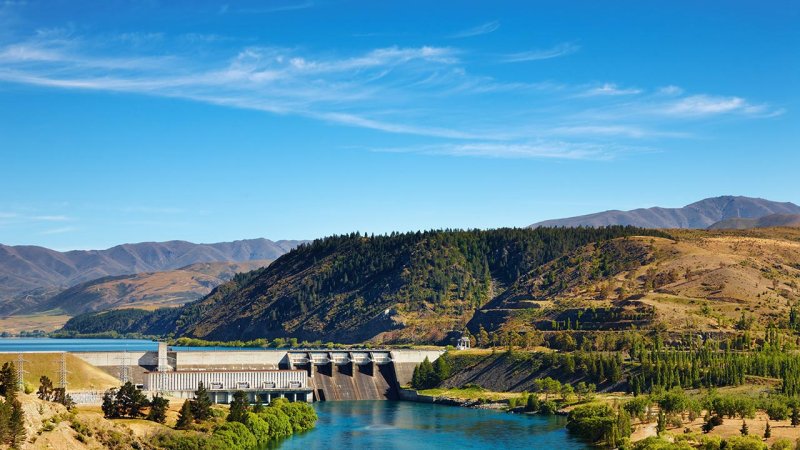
(744, 430)
(442, 369)
(158, 409)
(185, 416)
(238, 409)
(661, 425)
(201, 406)
(16, 425)
(767, 431)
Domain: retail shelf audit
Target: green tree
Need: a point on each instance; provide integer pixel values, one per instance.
(795, 416)
(185, 416)
(16, 424)
(45, 391)
(767, 431)
(661, 424)
(201, 405)
(441, 369)
(130, 401)
(744, 430)
(239, 407)
(158, 409)
(9, 384)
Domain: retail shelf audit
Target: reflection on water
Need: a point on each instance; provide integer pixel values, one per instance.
(405, 425)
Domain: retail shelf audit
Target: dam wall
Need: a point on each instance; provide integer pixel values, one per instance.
(364, 374)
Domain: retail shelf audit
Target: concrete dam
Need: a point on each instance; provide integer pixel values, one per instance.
(296, 374)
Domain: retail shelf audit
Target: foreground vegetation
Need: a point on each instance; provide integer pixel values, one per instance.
(201, 426)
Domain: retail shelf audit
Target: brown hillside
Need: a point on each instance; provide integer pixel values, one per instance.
(701, 281)
(147, 290)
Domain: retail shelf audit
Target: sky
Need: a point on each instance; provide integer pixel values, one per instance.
(131, 121)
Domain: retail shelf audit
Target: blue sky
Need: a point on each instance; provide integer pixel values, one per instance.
(209, 121)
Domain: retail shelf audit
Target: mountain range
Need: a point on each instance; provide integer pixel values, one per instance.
(31, 271)
(702, 214)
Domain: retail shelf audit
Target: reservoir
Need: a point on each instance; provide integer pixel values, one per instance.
(411, 426)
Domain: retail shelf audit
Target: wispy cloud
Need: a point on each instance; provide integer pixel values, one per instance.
(707, 105)
(51, 218)
(610, 89)
(273, 7)
(426, 91)
(485, 28)
(61, 230)
(562, 49)
(540, 149)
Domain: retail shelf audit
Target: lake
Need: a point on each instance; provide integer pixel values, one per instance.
(407, 425)
(75, 345)
(95, 345)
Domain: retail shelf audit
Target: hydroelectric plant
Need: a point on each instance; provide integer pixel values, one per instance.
(296, 374)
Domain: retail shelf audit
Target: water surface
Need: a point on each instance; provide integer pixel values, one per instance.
(406, 425)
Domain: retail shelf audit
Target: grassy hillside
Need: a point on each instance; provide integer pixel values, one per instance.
(703, 281)
(80, 375)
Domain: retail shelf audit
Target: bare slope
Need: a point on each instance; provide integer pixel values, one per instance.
(147, 290)
(701, 214)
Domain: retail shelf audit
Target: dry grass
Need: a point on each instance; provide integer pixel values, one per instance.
(81, 376)
(44, 322)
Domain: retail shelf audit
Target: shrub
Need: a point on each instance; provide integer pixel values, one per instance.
(259, 427)
(548, 408)
(278, 422)
(234, 435)
(657, 443)
(782, 444)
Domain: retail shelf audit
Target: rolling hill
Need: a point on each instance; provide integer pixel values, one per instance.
(695, 281)
(404, 287)
(427, 287)
(29, 274)
(145, 290)
(702, 214)
(772, 220)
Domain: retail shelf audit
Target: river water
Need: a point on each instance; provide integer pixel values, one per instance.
(405, 425)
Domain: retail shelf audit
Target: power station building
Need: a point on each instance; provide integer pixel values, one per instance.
(263, 385)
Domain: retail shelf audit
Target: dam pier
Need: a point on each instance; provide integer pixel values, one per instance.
(295, 374)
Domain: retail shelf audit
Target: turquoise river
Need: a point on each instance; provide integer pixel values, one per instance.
(406, 425)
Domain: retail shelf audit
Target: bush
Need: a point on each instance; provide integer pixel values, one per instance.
(657, 443)
(258, 426)
(301, 415)
(278, 422)
(745, 443)
(599, 423)
(782, 444)
(637, 407)
(548, 408)
(777, 410)
(234, 435)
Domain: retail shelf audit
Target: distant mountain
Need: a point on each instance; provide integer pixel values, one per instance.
(38, 271)
(145, 290)
(772, 220)
(701, 214)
